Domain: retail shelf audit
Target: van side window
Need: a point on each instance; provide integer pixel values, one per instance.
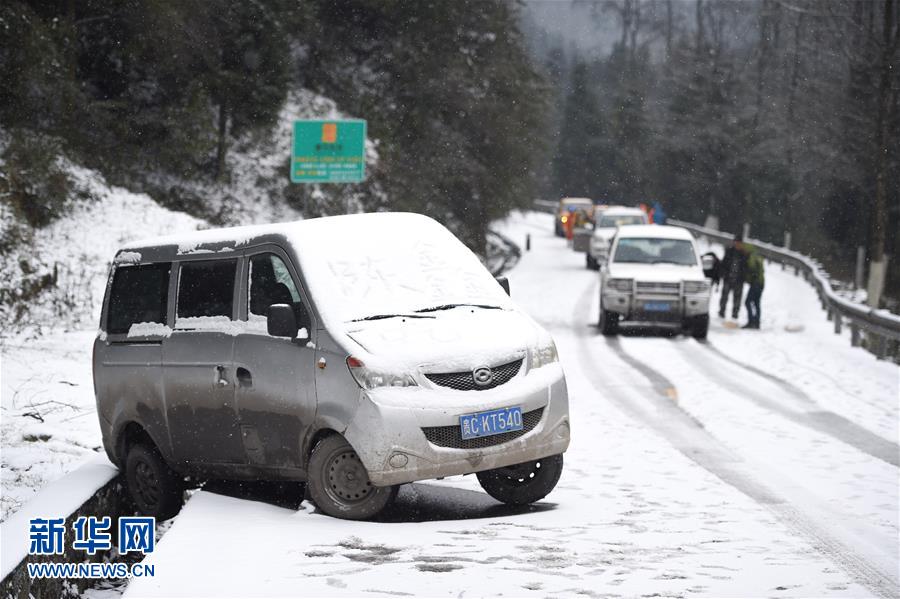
(271, 283)
(206, 288)
(138, 294)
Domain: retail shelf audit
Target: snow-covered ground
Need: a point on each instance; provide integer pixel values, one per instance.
(760, 463)
(48, 421)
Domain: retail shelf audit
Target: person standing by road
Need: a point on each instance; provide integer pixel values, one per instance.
(732, 268)
(755, 276)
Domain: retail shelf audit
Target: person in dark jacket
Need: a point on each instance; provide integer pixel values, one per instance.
(731, 270)
(755, 276)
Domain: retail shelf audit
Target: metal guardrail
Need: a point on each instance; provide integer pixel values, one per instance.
(880, 327)
(877, 330)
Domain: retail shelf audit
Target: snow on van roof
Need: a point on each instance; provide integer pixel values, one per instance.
(655, 232)
(362, 265)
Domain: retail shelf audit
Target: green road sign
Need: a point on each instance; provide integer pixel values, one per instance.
(329, 152)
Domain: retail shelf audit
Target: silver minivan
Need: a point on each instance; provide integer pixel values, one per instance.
(355, 353)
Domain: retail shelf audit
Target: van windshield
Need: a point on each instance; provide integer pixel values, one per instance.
(649, 250)
(368, 265)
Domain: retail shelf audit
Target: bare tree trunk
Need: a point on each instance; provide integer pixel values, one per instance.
(222, 143)
(878, 267)
(700, 34)
(668, 29)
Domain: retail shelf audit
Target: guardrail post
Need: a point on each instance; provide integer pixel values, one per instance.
(860, 266)
(528, 242)
(854, 334)
(829, 313)
(838, 321)
(746, 230)
(880, 346)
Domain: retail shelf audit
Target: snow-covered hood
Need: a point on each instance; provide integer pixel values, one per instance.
(656, 273)
(456, 339)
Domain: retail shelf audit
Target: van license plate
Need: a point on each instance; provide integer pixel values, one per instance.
(657, 306)
(492, 422)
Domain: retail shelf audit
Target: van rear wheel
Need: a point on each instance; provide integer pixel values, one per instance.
(339, 484)
(522, 483)
(155, 488)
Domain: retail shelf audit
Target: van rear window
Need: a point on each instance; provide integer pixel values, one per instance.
(139, 294)
(206, 288)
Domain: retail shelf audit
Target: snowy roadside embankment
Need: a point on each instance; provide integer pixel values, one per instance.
(48, 424)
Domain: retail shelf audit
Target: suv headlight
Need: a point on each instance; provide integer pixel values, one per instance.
(542, 355)
(620, 284)
(696, 286)
(371, 378)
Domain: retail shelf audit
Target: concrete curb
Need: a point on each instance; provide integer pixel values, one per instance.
(109, 500)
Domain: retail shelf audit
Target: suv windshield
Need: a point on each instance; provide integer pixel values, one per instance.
(622, 219)
(649, 250)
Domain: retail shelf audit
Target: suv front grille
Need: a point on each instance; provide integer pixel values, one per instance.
(659, 288)
(451, 436)
(463, 381)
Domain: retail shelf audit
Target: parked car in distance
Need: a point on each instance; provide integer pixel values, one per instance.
(605, 227)
(562, 212)
(654, 277)
(354, 353)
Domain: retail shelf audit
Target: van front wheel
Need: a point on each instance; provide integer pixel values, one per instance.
(522, 483)
(156, 490)
(339, 483)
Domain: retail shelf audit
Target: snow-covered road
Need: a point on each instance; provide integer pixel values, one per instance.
(759, 463)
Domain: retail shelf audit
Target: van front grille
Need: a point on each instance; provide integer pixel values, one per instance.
(451, 436)
(464, 381)
(658, 288)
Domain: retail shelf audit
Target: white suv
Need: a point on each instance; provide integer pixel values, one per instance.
(654, 277)
(605, 229)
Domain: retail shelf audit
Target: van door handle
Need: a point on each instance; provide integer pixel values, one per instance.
(221, 381)
(245, 379)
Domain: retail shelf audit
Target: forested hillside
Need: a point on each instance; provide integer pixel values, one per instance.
(780, 114)
(160, 96)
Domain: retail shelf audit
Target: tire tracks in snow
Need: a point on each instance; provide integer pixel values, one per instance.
(822, 421)
(691, 439)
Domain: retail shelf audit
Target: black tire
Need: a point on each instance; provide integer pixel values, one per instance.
(609, 322)
(591, 263)
(700, 327)
(155, 488)
(523, 483)
(339, 484)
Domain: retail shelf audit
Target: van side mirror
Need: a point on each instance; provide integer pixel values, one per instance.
(504, 282)
(281, 322)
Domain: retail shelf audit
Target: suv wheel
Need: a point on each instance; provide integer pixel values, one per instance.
(609, 322)
(339, 483)
(523, 483)
(700, 326)
(156, 490)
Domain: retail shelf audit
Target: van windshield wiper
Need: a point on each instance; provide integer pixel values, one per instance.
(383, 316)
(450, 306)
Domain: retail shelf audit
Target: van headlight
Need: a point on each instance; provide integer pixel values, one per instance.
(696, 286)
(542, 355)
(620, 284)
(371, 378)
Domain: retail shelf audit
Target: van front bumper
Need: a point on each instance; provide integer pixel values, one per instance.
(387, 430)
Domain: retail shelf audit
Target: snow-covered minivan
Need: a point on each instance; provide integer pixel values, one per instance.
(654, 277)
(355, 353)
